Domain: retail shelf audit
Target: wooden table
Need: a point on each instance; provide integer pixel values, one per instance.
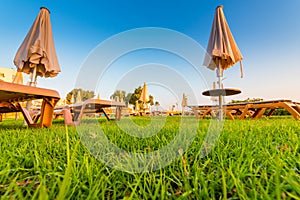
(12, 94)
(222, 92)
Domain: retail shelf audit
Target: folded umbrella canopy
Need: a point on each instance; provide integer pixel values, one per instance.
(37, 55)
(144, 95)
(222, 50)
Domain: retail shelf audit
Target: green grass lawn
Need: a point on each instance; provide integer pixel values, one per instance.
(253, 159)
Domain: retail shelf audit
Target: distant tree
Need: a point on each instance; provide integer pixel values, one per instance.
(127, 98)
(151, 100)
(120, 95)
(247, 100)
(281, 112)
(135, 96)
(157, 104)
(173, 108)
(78, 94)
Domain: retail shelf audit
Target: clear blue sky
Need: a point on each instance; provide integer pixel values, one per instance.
(267, 33)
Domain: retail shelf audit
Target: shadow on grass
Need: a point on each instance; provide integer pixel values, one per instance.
(84, 121)
(12, 124)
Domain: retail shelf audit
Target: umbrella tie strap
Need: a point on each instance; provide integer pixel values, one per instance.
(241, 69)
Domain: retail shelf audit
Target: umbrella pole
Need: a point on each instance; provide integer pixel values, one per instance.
(33, 77)
(220, 75)
(31, 83)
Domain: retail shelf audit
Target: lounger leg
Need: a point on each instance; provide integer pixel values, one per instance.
(27, 117)
(68, 117)
(208, 111)
(106, 115)
(245, 111)
(196, 113)
(228, 112)
(47, 111)
(118, 113)
(296, 107)
(291, 110)
(272, 111)
(259, 113)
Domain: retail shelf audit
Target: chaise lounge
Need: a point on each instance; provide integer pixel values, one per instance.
(73, 113)
(12, 94)
(251, 109)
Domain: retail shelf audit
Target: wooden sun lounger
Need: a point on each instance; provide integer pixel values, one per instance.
(73, 113)
(249, 109)
(12, 94)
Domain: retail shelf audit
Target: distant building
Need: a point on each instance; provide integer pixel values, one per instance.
(8, 75)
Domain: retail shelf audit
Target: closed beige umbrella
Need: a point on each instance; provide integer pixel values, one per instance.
(137, 106)
(222, 50)
(144, 96)
(37, 55)
(184, 103)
